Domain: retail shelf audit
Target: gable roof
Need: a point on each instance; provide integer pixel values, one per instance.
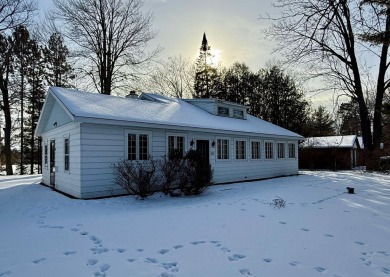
(98, 108)
(331, 142)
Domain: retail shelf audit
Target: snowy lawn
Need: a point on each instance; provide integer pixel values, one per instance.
(231, 230)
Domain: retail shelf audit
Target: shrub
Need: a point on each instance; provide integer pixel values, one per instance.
(136, 177)
(170, 174)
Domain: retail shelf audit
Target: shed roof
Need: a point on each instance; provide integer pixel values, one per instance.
(164, 111)
(331, 142)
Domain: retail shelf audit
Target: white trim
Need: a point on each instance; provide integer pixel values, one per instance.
(284, 150)
(235, 149)
(273, 150)
(137, 133)
(295, 150)
(66, 137)
(229, 149)
(260, 149)
(46, 157)
(176, 134)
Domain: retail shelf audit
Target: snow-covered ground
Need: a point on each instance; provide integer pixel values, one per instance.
(231, 230)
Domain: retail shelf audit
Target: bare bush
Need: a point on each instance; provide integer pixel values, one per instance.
(278, 202)
(137, 177)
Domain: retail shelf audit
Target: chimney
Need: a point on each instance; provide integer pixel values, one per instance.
(133, 95)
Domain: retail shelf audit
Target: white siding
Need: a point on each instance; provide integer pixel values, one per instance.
(66, 181)
(58, 117)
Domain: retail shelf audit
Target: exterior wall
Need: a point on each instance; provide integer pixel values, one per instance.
(326, 158)
(103, 145)
(66, 181)
(57, 118)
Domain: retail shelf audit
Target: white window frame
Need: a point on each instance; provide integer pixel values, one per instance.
(137, 133)
(245, 149)
(283, 149)
(251, 149)
(294, 147)
(184, 135)
(229, 149)
(272, 150)
(66, 155)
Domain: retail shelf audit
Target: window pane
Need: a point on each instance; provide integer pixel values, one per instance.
(66, 152)
(280, 150)
(291, 150)
(143, 147)
(180, 145)
(223, 111)
(269, 150)
(238, 113)
(222, 149)
(240, 150)
(45, 154)
(131, 147)
(255, 150)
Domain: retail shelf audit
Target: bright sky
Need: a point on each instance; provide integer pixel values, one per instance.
(232, 27)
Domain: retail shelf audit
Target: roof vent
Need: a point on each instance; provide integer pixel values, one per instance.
(133, 95)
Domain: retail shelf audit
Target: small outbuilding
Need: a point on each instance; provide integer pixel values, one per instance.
(332, 152)
(83, 134)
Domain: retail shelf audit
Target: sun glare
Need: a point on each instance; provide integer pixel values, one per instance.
(215, 58)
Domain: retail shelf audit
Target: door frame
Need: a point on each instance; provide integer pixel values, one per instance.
(52, 162)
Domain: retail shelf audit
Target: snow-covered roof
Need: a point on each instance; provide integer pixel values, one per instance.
(165, 111)
(331, 142)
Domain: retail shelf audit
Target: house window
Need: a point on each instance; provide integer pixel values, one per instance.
(175, 146)
(222, 149)
(223, 111)
(269, 150)
(45, 154)
(281, 154)
(238, 113)
(256, 153)
(137, 146)
(66, 154)
(291, 150)
(240, 149)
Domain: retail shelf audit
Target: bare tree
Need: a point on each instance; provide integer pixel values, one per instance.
(337, 39)
(174, 77)
(111, 34)
(15, 12)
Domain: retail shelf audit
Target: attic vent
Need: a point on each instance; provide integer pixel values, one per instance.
(133, 94)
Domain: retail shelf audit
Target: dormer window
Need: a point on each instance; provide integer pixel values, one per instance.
(223, 111)
(238, 113)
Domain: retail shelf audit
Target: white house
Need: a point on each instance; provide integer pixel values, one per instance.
(83, 134)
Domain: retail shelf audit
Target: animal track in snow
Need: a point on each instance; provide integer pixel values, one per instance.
(236, 257)
(305, 229)
(294, 263)
(95, 239)
(37, 261)
(130, 260)
(170, 266)
(359, 242)
(320, 269)
(140, 250)
(245, 272)
(104, 267)
(121, 250)
(198, 242)
(385, 270)
(163, 251)
(267, 260)
(328, 235)
(151, 260)
(282, 222)
(67, 253)
(92, 262)
(178, 246)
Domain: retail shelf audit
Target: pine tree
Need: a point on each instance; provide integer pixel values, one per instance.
(350, 119)
(35, 99)
(321, 123)
(58, 70)
(206, 76)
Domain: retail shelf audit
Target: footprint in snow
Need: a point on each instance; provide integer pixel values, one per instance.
(261, 215)
(75, 229)
(320, 269)
(383, 253)
(305, 229)
(170, 266)
(120, 250)
(67, 253)
(92, 262)
(225, 249)
(267, 260)
(236, 257)
(163, 251)
(37, 261)
(104, 267)
(130, 260)
(83, 233)
(359, 242)
(178, 246)
(245, 272)
(328, 235)
(294, 263)
(282, 222)
(198, 242)
(99, 250)
(140, 250)
(385, 270)
(151, 260)
(95, 239)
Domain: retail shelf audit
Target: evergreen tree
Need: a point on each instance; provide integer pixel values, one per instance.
(321, 123)
(350, 119)
(280, 101)
(35, 99)
(206, 76)
(21, 52)
(58, 70)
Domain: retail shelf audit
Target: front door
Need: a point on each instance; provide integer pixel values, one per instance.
(202, 147)
(52, 162)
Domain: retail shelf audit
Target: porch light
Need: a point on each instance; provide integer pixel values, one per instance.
(213, 143)
(192, 143)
